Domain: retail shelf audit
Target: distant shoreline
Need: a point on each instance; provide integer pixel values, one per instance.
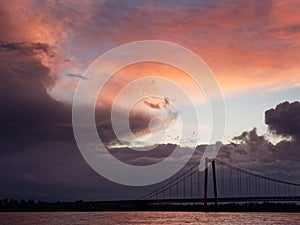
(119, 206)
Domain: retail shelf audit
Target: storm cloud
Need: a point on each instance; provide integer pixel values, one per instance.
(257, 153)
(28, 113)
(284, 119)
(39, 157)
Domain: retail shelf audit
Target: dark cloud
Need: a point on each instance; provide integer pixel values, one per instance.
(28, 113)
(138, 124)
(284, 119)
(256, 153)
(139, 157)
(248, 147)
(38, 154)
(26, 48)
(35, 129)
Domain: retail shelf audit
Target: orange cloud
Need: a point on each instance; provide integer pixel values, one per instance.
(176, 78)
(248, 45)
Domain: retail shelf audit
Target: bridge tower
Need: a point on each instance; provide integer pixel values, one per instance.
(213, 165)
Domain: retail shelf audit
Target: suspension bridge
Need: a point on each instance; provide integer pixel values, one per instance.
(215, 185)
(220, 182)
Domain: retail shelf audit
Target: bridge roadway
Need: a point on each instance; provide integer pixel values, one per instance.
(229, 199)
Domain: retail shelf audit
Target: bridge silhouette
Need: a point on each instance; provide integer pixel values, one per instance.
(216, 186)
(220, 182)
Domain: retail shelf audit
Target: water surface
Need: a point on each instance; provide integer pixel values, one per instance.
(149, 218)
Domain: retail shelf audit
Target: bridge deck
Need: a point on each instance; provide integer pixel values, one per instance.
(230, 199)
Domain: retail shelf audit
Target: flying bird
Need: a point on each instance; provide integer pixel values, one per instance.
(78, 75)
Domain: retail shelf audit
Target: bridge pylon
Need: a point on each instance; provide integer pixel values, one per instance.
(211, 162)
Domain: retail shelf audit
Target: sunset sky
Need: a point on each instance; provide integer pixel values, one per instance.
(252, 48)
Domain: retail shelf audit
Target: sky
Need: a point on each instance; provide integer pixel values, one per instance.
(252, 48)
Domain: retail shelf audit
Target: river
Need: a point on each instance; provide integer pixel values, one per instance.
(149, 218)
